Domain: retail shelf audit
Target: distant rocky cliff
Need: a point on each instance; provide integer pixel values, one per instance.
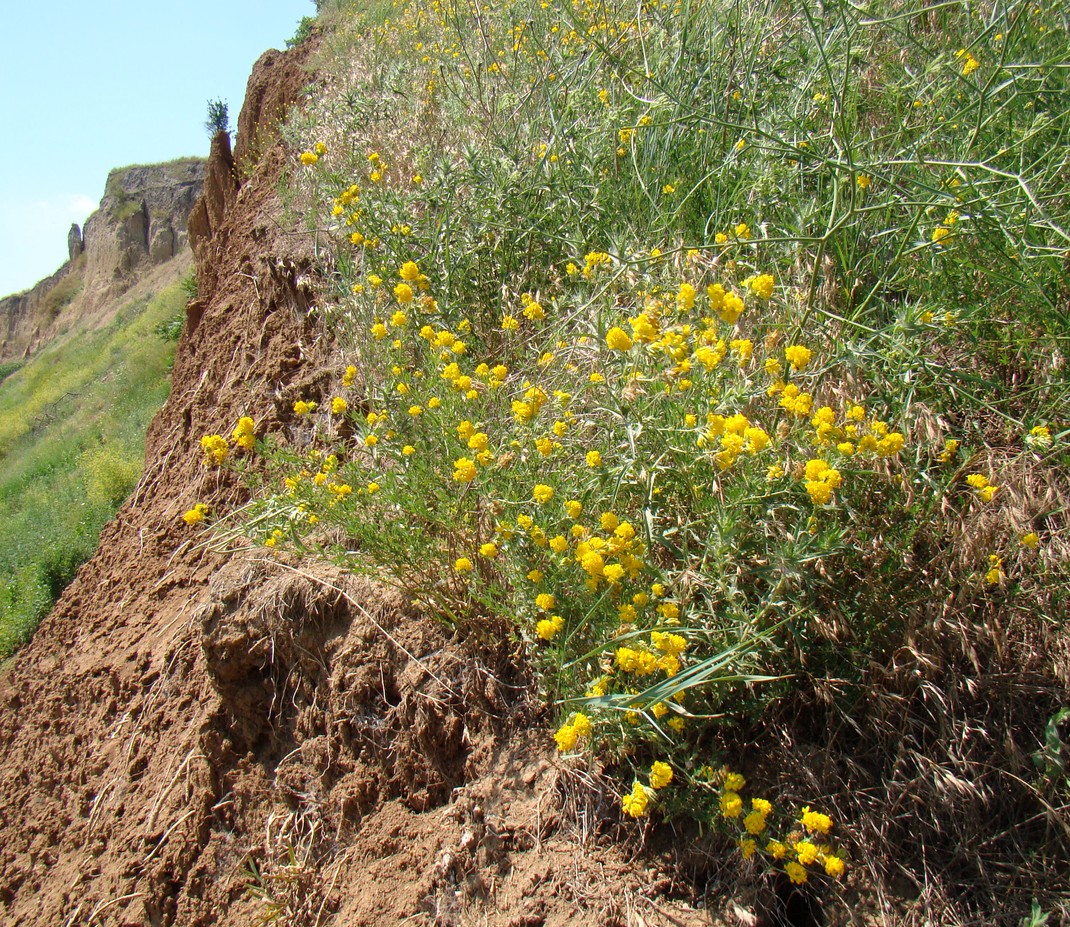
(141, 222)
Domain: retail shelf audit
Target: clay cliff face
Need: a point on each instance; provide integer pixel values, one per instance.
(141, 223)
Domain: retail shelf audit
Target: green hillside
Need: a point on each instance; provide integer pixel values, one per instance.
(72, 435)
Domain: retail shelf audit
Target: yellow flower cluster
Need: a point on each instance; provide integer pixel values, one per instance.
(215, 449)
(969, 63)
(1039, 436)
(797, 850)
(244, 435)
(196, 515)
(636, 803)
(664, 655)
(735, 435)
(572, 732)
(985, 490)
(798, 356)
(548, 628)
(821, 480)
(995, 574)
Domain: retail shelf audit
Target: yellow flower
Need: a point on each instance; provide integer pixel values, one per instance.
(754, 822)
(304, 408)
(669, 643)
(734, 782)
(534, 312)
(1039, 436)
(806, 851)
(731, 804)
(309, 158)
(566, 738)
(635, 803)
(545, 601)
(542, 493)
(1030, 540)
(464, 470)
(617, 339)
(796, 873)
(834, 866)
(762, 286)
(798, 356)
(215, 450)
(244, 434)
(815, 821)
(820, 492)
(547, 628)
(339, 405)
(580, 722)
(747, 847)
(196, 514)
(594, 459)
(409, 271)
(488, 550)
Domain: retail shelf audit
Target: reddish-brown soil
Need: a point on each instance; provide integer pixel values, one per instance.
(196, 738)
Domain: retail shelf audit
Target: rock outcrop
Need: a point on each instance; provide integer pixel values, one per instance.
(75, 245)
(141, 222)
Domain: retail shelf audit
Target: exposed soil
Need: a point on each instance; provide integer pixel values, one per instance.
(196, 738)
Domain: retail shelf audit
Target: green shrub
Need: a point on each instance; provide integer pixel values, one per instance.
(305, 29)
(218, 118)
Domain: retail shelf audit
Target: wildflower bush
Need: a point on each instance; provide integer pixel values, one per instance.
(675, 338)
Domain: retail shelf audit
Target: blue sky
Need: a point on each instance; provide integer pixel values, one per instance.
(87, 86)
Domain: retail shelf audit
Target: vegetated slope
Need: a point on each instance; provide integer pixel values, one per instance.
(195, 739)
(72, 437)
